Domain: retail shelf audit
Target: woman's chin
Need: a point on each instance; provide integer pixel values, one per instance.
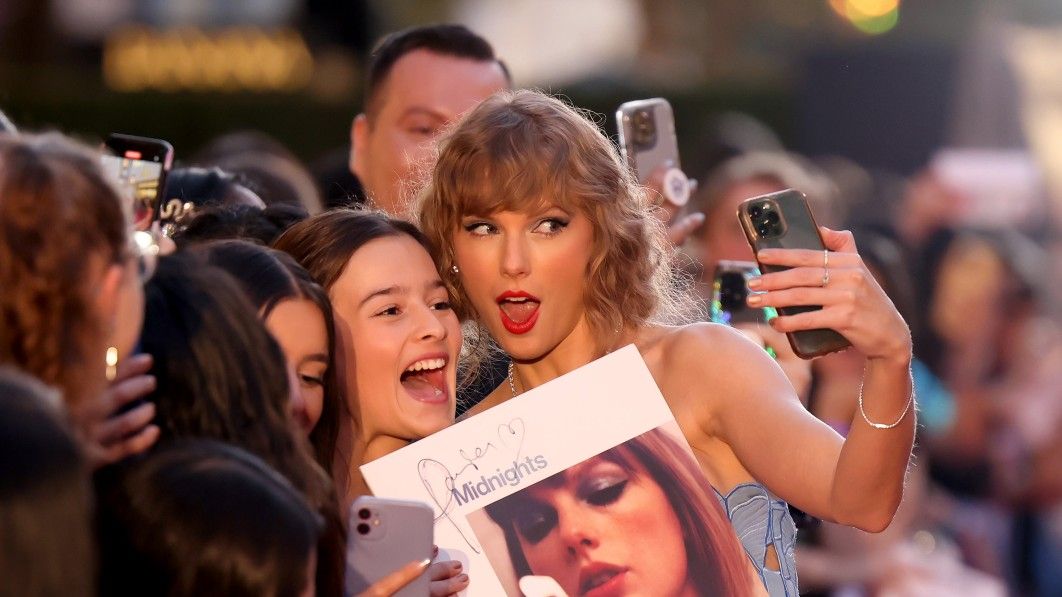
(425, 426)
(425, 417)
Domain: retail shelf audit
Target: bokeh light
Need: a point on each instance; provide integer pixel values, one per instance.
(872, 17)
(247, 58)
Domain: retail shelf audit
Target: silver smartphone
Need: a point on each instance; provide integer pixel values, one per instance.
(385, 535)
(647, 137)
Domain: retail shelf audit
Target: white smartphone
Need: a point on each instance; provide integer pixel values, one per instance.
(385, 535)
(647, 137)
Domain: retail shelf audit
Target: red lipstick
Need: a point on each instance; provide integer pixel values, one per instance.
(518, 311)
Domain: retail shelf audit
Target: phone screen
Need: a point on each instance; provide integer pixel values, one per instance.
(138, 180)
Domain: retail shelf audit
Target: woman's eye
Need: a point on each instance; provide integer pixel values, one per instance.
(551, 226)
(479, 228)
(442, 306)
(393, 310)
(606, 492)
(310, 380)
(535, 525)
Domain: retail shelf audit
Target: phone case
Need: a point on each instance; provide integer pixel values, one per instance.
(643, 152)
(385, 535)
(800, 231)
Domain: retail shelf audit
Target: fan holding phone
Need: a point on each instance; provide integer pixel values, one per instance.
(647, 141)
(139, 165)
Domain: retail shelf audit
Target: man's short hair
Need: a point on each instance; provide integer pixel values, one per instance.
(446, 39)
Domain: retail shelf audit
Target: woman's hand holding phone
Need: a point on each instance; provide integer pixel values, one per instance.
(852, 302)
(446, 578)
(394, 582)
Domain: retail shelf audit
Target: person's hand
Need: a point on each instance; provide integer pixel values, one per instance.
(678, 230)
(796, 369)
(852, 302)
(394, 582)
(109, 436)
(446, 577)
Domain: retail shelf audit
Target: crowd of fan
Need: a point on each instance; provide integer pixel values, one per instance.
(179, 418)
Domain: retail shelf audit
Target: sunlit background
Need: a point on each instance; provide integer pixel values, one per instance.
(884, 82)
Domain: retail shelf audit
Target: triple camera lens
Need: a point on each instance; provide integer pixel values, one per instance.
(765, 219)
(644, 128)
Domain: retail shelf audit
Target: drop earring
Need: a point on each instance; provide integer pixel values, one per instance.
(455, 269)
(112, 363)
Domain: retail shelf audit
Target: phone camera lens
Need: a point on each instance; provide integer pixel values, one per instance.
(756, 210)
(770, 217)
(363, 529)
(364, 514)
(644, 128)
(764, 230)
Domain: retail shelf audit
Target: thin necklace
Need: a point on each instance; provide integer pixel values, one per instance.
(512, 384)
(511, 376)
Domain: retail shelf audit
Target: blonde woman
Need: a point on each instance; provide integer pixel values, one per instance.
(552, 250)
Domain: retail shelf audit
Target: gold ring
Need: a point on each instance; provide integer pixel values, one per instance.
(825, 277)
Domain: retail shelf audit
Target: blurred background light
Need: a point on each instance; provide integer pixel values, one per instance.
(872, 17)
(558, 41)
(139, 58)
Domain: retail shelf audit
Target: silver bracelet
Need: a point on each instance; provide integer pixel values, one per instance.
(862, 412)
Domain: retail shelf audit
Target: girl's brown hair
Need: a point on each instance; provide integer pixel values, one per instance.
(59, 219)
(324, 243)
(521, 150)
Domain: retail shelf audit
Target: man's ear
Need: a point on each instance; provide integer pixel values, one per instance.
(359, 139)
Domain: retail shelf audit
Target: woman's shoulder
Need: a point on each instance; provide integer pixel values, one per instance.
(701, 351)
(693, 341)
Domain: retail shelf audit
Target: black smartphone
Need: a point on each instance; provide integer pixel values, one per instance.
(783, 220)
(730, 289)
(139, 165)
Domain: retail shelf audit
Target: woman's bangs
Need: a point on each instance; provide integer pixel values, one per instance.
(521, 177)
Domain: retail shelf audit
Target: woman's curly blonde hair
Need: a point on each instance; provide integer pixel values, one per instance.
(520, 150)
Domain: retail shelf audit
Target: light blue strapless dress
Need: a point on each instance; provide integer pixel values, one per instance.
(761, 519)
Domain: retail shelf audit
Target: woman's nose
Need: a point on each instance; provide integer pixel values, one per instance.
(430, 325)
(577, 534)
(515, 259)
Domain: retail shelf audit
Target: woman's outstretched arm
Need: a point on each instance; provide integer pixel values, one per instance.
(739, 395)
